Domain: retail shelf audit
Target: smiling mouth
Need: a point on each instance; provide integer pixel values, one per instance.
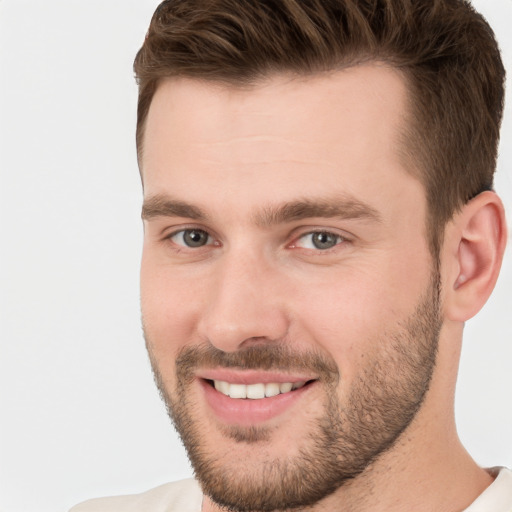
(256, 391)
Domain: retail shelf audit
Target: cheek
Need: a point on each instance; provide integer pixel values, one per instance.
(169, 308)
(343, 323)
(352, 314)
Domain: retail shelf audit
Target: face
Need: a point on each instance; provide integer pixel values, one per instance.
(289, 300)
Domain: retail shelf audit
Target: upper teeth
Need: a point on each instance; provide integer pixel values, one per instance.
(255, 391)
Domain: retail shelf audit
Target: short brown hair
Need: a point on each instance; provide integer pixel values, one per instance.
(444, 48)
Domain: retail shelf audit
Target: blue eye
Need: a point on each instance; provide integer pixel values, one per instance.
(192, 238)
(320, 240)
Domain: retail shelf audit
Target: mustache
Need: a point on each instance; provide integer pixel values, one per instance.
(269, 356)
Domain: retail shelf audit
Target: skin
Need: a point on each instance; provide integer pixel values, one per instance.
(237, 154)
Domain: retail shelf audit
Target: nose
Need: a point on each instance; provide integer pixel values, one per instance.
(244, 304)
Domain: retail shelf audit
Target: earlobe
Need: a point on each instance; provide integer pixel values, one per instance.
(478, 236)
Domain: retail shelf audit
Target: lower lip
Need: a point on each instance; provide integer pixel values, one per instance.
(247, 412)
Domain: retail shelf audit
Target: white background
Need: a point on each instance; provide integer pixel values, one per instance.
(79, 414)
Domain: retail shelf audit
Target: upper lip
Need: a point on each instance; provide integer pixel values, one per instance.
(234, 376)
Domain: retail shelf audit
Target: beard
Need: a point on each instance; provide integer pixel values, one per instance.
(341, 443)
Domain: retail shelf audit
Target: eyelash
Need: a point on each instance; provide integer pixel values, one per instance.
(338, 239)
(183, 233)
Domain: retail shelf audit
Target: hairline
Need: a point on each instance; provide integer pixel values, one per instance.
(261, 78)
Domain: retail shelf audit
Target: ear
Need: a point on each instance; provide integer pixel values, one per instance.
(473, 251)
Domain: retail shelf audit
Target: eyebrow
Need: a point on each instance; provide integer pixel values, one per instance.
(163, 206)
(337, 207)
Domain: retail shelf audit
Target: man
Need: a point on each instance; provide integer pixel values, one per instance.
(319, 224)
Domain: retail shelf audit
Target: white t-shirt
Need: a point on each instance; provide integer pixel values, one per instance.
(498, 496)
(186, 496)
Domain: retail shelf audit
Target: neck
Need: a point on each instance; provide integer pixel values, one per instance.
(422, 472)
(425, 476)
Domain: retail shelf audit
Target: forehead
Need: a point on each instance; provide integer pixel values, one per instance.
(359, 94)
(284, 136)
